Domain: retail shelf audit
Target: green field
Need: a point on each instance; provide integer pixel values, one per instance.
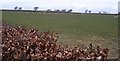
(74, 29)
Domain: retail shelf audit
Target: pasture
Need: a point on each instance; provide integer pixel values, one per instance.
(74, 29)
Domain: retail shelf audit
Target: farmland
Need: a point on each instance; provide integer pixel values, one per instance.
(74, 29)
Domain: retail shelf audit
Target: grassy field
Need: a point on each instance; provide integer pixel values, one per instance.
(75, 29)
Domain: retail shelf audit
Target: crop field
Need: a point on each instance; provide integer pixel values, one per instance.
(74, 29)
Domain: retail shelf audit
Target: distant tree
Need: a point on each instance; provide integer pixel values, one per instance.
(63, 10)
(99, 12)
(69, 11)
(89, 11)
(20, 8)
(86, 11)
(48, 10)
(36, 8)
(57, 11)
(105, 12)
(16, 7)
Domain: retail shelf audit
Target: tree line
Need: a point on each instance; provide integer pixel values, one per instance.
(60, 11)
(48, 10)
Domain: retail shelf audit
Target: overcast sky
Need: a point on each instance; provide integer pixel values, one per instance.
(76, 5)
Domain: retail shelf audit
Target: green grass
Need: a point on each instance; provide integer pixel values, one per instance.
(98, 29)
(76, 25)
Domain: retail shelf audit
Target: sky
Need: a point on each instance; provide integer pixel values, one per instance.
(77, 5)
